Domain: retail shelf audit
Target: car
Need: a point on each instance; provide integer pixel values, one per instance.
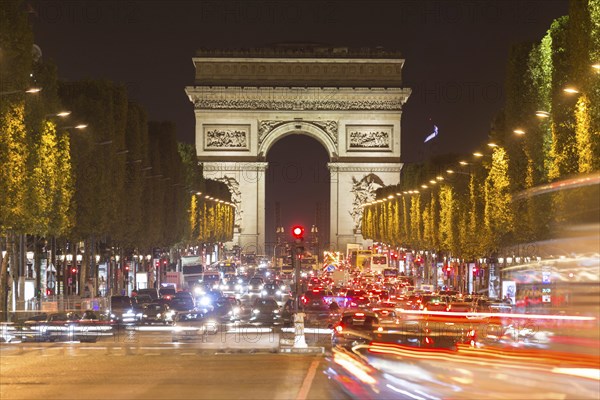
(226, 309)
(315, 300)
(182, 303)
(157, 313)
(58, 326)
(354, 327)
(433, 303)
(193, 326)
(275, 289)
(153, 293)
(205, 301)
(255, 286)
(211, 279)
(121, 310)
(459, 306)
(387, 316)
(167, 293)
(265, 311)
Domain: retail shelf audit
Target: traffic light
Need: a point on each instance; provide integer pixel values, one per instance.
(74, 270)
(298, 232)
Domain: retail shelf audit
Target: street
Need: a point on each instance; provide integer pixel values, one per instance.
(151, 369)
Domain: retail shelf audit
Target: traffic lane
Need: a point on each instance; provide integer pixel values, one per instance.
(74, 373)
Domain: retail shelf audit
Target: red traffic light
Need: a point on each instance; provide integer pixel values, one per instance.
(298, 232)
(73, 270)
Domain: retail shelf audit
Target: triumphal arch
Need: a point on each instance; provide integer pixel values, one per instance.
(349, 101)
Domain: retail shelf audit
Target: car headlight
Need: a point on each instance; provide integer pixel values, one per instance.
(236, 310)
(264, 292)
(238, 287)
(255, 311)
(278, 293)
(224, 287)
(216, 286)
(205, 301)
(145, 315)
(112, 315)
(199, 291)
(158, 315)
(275, 311)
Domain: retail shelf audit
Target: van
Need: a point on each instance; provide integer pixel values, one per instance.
(153, 293)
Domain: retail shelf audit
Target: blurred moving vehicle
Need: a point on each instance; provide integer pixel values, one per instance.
(265, 311)
(255, 286)
(122, 311)
(182, 303)
(62, 326)
(354, 327)
(157, 313)
(193, 326)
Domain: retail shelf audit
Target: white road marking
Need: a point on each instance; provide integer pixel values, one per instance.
(310, 376)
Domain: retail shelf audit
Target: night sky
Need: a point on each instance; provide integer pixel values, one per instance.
(455, 52)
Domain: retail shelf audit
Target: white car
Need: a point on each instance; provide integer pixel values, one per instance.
(193, 325)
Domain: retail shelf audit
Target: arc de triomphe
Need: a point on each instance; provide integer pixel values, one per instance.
(350, 102)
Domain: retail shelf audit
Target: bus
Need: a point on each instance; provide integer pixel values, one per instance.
(379, 263)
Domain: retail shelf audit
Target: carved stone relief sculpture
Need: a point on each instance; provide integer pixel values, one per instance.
(226, 137)
(369, 137)
(363, 191)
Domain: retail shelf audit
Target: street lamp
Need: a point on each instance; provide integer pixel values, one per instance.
(30, 90)
(61, 114)
(519, 131)
(570, 90)
(542, 114)
(79, 126)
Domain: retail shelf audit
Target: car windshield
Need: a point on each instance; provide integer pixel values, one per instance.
(360, 321)
(265, 303)
(120, 301)
(188, 317)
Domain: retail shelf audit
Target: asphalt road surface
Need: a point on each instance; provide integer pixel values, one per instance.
(149, 366)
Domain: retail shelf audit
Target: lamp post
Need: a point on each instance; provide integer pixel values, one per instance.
(30, 91)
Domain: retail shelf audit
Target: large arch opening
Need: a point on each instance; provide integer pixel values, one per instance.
(297, 191)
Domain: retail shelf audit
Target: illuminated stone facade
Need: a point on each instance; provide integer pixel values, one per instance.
(351, 103)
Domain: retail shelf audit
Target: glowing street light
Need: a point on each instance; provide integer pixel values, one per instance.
(570, 90)
(30, 90)
(478, 154)
(519, 131)
(463, 163)
(492, 144)
(542, 114)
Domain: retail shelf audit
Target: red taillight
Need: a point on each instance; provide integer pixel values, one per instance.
(315, 290)
(353, 304)
(428, 340)
(359, 314)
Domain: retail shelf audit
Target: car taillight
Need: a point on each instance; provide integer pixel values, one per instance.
(428, 340)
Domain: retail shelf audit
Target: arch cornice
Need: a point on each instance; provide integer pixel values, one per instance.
(315, 129)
